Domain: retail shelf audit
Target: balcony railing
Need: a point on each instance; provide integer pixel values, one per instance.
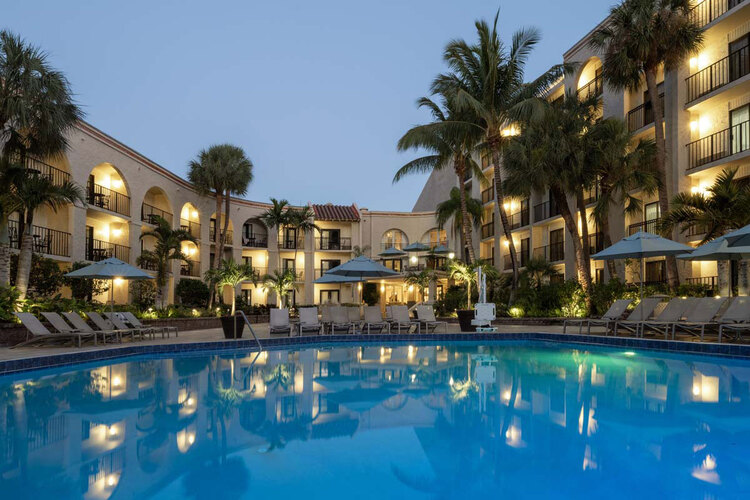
(642, 115)
(194, 228)
(488, 195)
(488, 230)
(45, 240)
(190, 268)
(397, 246)
(57, 176)
(545, 210)
(228, 236)
(519, 219)
(649, 226)
(696, 231)
(149, 265)
(291, 243)
(708, 10)
(255, 241)
(299, 275)
(709, 282)
(151, 214)
(594, 87)
(97, 250)
(554, 252)
(324, 243)
(522, 256)
(720, 145)
(105, 198)
(722, 72)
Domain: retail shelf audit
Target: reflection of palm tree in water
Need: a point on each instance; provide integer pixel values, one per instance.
(281, 378)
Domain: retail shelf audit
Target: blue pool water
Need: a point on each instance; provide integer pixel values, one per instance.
(505, 420)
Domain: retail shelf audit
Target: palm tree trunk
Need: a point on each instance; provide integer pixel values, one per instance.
(494, 143)
(664, 172)
(217, 245)
(468, 294)
(582, 265)
(605, 227)
(25, 257)
(4, 253)
(581, 202)
(465, 221)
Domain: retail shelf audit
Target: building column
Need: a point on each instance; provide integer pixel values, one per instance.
(724, 271)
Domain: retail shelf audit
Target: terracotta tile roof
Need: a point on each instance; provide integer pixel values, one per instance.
(336, 212)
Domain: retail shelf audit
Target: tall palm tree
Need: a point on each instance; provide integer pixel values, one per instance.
(450, 140)
(452, 209)
(420, 279)
(537, 269)
(232, 274)
(303, 222)
(35, 191)
(276, 217)
(167, 247)
(639, 38)
(280, 282)
(487, 79)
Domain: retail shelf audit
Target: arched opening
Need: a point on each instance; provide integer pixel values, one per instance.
(107, 224)
(435, 237)
(156, 205)
(254, 234)
(213, 226)
(190, 220)
(394, 238)
(590, 81)
(106, 190)
(192, 266)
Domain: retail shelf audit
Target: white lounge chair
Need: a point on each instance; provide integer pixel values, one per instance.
(81, 325)
(325, 317)
(355, 317)
(308, 321)
(607, 320)
(736, 319)
(699, 317)
(401, 319)
(427, 319)
(62, 326)
(675, 311)
(119, 324)
(134, 321)
(279, 321)
(42, 334)
(642, 312)
(105, 325)
(340, 320)
(374, 320)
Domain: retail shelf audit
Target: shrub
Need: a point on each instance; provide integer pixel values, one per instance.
(45, 279)
(371, 294)
(453, 299)
(144, 293)
(85, 289)
(192, 293)
(8, 301)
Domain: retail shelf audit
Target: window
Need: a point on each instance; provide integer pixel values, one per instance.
(394, 238)
(330, 239)
(328, 264)
(599, 276)
(329, 297)
(248, 261)
(525, 251)
(655, 272)
(247, 296)
(290, 237)
(393, 264)
(556, 245)
(651, 212)
(739, 57)
(739, 133)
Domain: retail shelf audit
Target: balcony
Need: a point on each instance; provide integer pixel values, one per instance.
(595, 87)
(190, 268)
(488, 195)
(57, 176)
(642, 115)
(722, 144)
(148, 266)
(545, 210)
(255, 241)
(151, 214)
(259, 272)
(333, 244)
(97, 250)
(46, 241)
(488, 230)
(298, 275)
(722, 72)
(101, 197)
(554, 252)
(523, 256)
(193, 228)
(708, 282)
(291, 243)
(519, 219)
(648, 226)
(708, 10)
(228, 237)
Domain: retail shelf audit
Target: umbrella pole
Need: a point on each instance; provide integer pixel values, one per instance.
(112, 295)
(642, 278)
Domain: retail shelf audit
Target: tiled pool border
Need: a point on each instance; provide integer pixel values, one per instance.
(75, 358)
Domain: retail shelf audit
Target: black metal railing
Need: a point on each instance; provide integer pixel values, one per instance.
(697, 230)
(255, 241)
(710, 282)
(97, 250)
(642, 115)
(151, 214)
(523, 257)
(722, 144)
(148, 265)
(299, 275)
(708, 10)
(105, 198)
(194, 228)
(519, 219)
(57, 176)
(326, 243)
(594, 87)
(228, 236)
(45, 240)
(554, 252)
(291, 243)
(488, 195)
(397, 246)
(488, 230)
(649, 226)
(724, 71)
(190, 268)
(545, 210)
(434, 244)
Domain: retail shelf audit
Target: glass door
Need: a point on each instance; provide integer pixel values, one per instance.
(739, 58)
(738, 129)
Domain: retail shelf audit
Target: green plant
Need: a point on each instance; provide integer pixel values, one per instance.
(281, 282)
(45, 278)
(192, 293)
(302, 220)
(276, 217)
(421, 280)
(371, 294)
(83, 288)
(8, 302)
(231, 274)
(144, 293)
(451, 208)
(453, 299)
(463, 273)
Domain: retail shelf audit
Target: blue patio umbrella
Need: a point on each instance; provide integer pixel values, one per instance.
(362, 267)
(328, 278)
(640, 246)
(392, 252)
(416, 247)
(110, 269)
(441, 250)
(718, 249)
(740, 237)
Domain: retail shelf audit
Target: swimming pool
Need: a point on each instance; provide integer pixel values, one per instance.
(518, 419)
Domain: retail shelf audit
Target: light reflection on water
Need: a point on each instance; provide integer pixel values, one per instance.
(382, 421)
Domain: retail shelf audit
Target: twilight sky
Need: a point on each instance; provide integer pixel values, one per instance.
(316, 92)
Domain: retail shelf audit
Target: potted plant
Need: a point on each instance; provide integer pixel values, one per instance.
(230, 273)
(463, 273)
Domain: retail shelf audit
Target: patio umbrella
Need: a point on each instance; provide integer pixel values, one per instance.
(362, 267)
(392, 252)
(110, 269)
(640, 246)
(441, 250)
(335, 279)
(740, 237)
(718, 249)
(417, 247)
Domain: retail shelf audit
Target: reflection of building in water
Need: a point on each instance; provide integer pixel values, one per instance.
(131, 428)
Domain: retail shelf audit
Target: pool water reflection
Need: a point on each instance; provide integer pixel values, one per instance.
(521, 419)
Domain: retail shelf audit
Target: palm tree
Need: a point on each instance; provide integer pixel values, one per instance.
(640, 37)
(167, 247)
(420, 279)
(359, 251)
(232, 274)
(536, 270)
(35, 191)
(450, 140)
(487, 79)
(302, 220)
(463, 273)
(281, 282)
(451, 208)
(9, 204)
(724, 207)
(276, 217)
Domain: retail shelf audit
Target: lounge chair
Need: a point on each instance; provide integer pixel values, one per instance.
(675, 311)
(427, 319)
(401, 319)
(355, 316)
(119, 324)
(607, 320)
(105, 325)
(40, 333)
(62, 326)
(279, 322)
(736, 318)
(374, 320)
(134, 321)
(308, 320)
(340, 320)
(325, 317)
(642, 312)
(699, 317)
(82, 326)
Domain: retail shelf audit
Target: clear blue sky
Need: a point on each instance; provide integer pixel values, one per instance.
(316, 92)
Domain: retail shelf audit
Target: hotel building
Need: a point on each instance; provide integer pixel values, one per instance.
(707, 120)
